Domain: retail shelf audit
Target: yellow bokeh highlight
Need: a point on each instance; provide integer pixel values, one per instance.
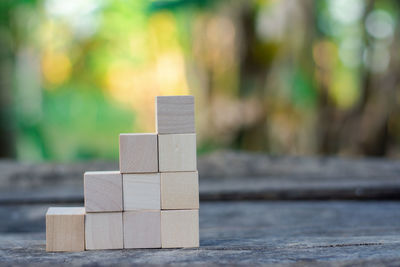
(170, 73)
(138, 86)
(134, 87)
(137, 83)
(163, 32)
(344, 89)
(56, 67)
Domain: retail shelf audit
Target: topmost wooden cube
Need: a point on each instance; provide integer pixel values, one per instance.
(175, 114)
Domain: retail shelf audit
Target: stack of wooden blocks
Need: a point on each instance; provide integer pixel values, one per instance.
(152, 202)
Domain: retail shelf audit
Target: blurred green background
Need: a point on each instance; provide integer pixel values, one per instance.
(281, 76)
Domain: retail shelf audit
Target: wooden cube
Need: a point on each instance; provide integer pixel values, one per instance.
(179, 228)
(179, 190)
(138, 153)
(103, 191)
(177, 152)
(142, 229)
(104, 230)
(65, 229)
(175, 114)
(141, 191)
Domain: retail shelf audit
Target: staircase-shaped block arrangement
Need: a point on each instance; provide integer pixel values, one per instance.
(151, 202)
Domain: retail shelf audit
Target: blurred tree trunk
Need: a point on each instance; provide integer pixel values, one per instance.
(7, 134)
(7, 123)
(251, 82)
(369, 126)
(363, 129)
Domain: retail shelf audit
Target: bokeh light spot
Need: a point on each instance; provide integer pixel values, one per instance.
(380, 24)
(56, 67)
(345, 11)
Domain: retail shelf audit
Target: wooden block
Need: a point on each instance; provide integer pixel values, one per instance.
(141, 191)
(104, 230)
(175, 114)
(142, 229)
(179, 190)
(138, 153)
(177, 152)
(65, 229)
(179, 228)
(103, 191)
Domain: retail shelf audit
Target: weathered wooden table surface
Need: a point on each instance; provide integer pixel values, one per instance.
(254, 210)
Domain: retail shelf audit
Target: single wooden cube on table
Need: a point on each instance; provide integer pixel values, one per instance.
(142, 229)
(138, 153)
(65, 229)
(104, 230)
(103, 191)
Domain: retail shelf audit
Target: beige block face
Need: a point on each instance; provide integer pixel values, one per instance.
(179, 190)
(65, 229)
(177, 152)
(175, 114)
(103, 191)
(142, 229)
(141, 191)
(138, 153)
(104, 230)
(179, 228)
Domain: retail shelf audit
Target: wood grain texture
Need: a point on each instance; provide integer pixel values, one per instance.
(179, 228)
(175, 114)
(141, 191)
(142, 229)
(253, 233)
(103, 191)
(65, 229)
(179, 190)
(104, 230)
(177, 152)
(138, 153)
